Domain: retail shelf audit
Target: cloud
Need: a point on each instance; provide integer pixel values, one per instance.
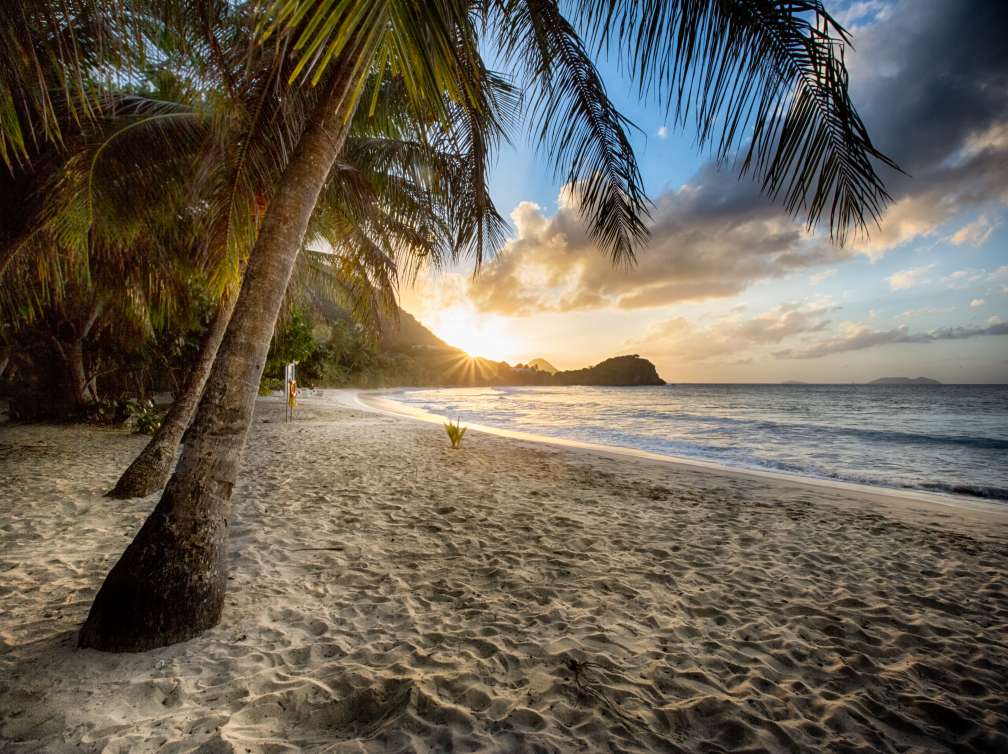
(662, 132)
(1000, 277)
(964, 278)
(994, 320)
(977, 303)
(909, 278)
(710, 239)
(931, 80)
(975, 233)
(683, 340)
(821, 276)
(926, 311)
(858, 337)
(939, 105)
(858, 13)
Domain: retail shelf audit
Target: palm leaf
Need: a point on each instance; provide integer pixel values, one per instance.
(576, 123)
(763, 76)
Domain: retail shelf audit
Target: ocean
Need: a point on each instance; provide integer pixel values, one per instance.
(948, 438)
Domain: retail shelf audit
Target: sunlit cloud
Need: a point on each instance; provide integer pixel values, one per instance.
(975, 233)
(904, 279)
(706, 243)
(977, 303)
(682, 339)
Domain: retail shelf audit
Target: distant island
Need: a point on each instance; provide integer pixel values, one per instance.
(542, 365)
(904, 381)
(629, 370)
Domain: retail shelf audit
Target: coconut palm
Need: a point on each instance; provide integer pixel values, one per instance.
(56, 301)
(762, 76)
(116, 174)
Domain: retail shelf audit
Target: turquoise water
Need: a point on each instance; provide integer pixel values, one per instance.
(949, 438)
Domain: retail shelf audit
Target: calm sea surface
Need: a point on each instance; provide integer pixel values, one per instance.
(949, 438)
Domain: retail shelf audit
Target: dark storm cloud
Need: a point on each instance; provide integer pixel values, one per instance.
(860, 337)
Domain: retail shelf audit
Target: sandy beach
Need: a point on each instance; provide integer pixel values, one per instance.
(389, 594)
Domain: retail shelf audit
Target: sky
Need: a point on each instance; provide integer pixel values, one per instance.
(729, 288)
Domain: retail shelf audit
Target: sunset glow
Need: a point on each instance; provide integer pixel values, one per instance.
(489, 336)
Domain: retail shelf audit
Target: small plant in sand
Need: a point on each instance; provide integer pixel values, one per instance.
(455, 432)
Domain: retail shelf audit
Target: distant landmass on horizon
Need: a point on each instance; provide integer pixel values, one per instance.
(904, 381)
(543, 365)
(418, 357)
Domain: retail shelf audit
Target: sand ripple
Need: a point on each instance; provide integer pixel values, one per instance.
(390, 595)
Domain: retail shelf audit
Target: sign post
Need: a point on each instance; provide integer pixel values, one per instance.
(290, 385)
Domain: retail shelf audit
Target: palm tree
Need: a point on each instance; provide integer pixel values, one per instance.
(117, 171)
(373, 218)
(761, 72)
(58, 298)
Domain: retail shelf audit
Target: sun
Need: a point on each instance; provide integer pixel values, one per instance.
(486, 335)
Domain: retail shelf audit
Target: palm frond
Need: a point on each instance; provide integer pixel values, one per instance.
(473, 134)
(416, 43)
(60, 60)
(576, 123)
(763, 76)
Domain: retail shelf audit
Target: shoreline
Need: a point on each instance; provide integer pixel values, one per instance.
(387, 593)
(379, 401)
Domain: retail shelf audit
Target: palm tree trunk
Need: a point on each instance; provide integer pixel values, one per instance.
(77, 380)
(169, 585)
(150, 470)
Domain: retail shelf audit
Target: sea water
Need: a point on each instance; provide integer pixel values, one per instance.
(944, 438)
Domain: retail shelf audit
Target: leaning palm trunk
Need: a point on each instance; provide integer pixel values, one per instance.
(150, 470)
(169, 585)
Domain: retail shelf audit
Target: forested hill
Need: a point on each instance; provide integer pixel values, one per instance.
(437, 363)
(407, 331)
(332, 351)
(620, 370)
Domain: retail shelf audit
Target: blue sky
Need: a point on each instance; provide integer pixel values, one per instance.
(731, 289)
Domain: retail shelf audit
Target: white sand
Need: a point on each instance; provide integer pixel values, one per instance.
(390, 594)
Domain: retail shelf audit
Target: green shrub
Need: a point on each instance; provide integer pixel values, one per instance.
(269, 384)
(138, 415)
(143, 417)
(108, 411)
(455, 432)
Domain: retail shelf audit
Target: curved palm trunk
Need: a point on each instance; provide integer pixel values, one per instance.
(150, 470)
(75, 380)
(169, 584)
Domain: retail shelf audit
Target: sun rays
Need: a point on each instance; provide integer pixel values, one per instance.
(487, 335)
